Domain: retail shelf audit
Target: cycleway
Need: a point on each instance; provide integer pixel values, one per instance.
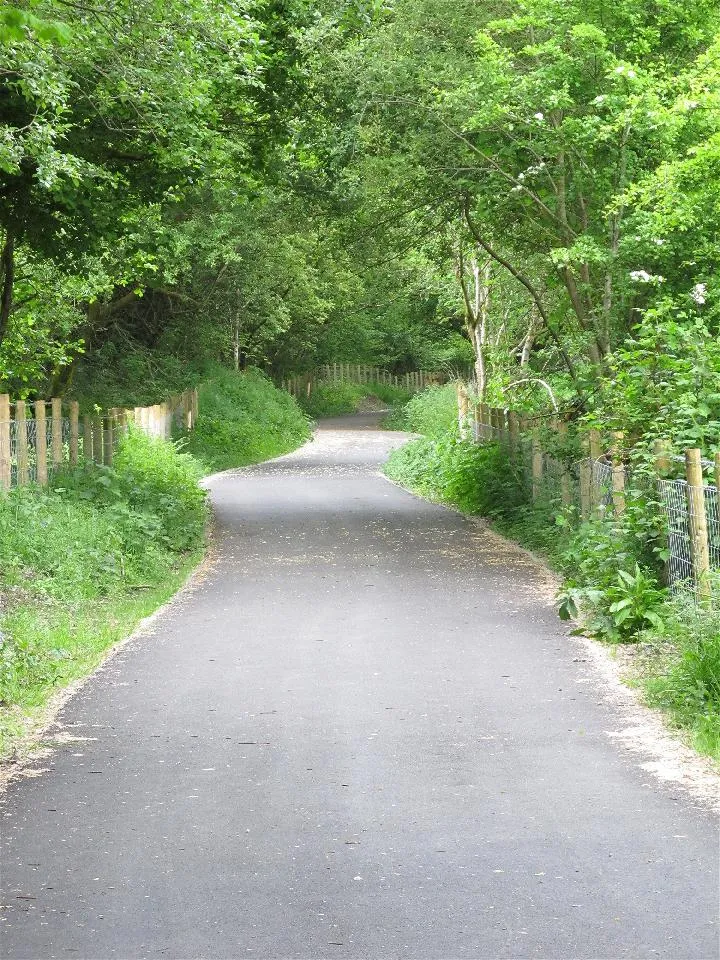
(361, 732)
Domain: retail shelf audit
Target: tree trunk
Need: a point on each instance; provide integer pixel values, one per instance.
(529, 340)
(481, 278)
(236, 345)
(522, 279)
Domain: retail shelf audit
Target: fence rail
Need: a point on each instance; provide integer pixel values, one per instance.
(595, 486)
(38, 438)
(361, 374)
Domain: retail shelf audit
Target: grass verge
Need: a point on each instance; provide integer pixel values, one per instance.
(84, 560)
(609, 580)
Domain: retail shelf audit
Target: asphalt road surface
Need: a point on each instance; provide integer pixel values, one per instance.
(362, 733)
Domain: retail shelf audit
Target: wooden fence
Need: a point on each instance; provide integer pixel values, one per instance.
(687, 484)
(38, 438)
(361, 374)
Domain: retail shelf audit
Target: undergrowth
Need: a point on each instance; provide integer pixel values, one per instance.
(331, 399)
(83, 560)
(433, 412)
(244, 419)
(682, 673)
(612, 567)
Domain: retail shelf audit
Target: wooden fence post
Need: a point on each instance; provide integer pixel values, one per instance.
(697, 515)
(618, 474)
(502, 425)
(663, 459)
(513, 431)
(107, 425)
(477, 421)
(87, 440)
(5, 462)
(74, 432)
(485, 417)
(463, 409)
(41, 458)
(565, 478)
(21, 443)
(494, 423)
(97, 440)
(56, 433)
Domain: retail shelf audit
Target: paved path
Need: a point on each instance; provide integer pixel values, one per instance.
(360, 735)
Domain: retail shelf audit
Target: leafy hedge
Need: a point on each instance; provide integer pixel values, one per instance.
(335, 399)
(243, 419)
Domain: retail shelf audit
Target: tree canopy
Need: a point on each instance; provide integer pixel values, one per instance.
(529, 186)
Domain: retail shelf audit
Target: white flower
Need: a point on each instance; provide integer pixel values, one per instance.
(631, 74)
(620, 69)
(521, 176)
(699, 293)
(659, 242)
(539, 116)
(600, 99)
(642, 276)
(690, 104)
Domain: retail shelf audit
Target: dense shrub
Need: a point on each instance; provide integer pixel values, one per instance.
(244, 419)
(433, 413)
(685, 678)
(334, 399)
(477, 478)
(99, 528)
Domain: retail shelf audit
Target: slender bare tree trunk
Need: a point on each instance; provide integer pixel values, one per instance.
(236, 345)
(529, 339)
(481, 279)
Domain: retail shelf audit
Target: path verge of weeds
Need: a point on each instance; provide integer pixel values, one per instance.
(669, 647)
(85, 560)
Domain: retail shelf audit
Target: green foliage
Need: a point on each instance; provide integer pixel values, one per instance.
(477, 478)
(100, 529)
(683, 675)
(331, 399)
(83, 560)
(244, 419)
(618, 611)
(433, 413)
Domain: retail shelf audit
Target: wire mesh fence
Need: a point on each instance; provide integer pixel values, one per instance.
(38, 439)
(595, 488)
(693, 536)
